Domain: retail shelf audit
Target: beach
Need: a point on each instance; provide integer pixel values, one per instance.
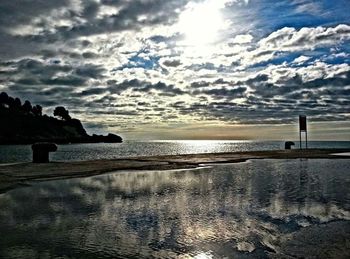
(21, 174)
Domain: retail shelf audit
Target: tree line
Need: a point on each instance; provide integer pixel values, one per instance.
(14, 105)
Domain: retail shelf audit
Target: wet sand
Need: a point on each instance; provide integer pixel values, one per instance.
(22, 174)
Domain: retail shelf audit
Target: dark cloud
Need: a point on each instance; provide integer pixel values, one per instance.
(321, 99)
(154, 11)
(16, 13)
(142, 86)
(166, 90)
(31, 71)
(172, 63)
(207, 65)
(223, 92)
(93, 91)
(80, 18)
(50, 83)
(90, 71)
(22, 12)
(89, 55)
(200, 84)
(72, 80)
(38, 67)
(28, 81)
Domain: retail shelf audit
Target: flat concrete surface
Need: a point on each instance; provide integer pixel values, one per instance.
(14, 175)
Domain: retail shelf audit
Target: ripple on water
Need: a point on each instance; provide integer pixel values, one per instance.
(260, 209)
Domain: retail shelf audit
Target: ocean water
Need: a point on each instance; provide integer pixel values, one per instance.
(75, 152)
(258, 209)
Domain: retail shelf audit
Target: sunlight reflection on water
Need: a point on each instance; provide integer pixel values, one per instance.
(20, 153)
(257, 209)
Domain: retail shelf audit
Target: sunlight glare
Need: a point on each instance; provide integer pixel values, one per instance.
(201, 23)
(198, 146)
(203, 256)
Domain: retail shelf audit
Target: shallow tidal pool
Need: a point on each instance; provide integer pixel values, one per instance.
(257, 209)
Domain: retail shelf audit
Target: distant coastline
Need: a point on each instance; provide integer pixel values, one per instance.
(26, 124)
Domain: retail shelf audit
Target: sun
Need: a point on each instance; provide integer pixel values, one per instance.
(201, 23)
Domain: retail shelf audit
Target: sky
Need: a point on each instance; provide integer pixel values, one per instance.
(183, 69)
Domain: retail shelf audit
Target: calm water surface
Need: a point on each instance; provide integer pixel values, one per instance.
(22, 153)
(258, 209)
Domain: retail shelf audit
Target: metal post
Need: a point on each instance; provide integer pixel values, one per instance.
(306, 138)
(302, 128)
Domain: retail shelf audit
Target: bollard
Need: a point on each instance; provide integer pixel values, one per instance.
(41, 151)
(288, 144)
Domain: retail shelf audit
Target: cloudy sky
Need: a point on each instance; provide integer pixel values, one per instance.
(183, 69)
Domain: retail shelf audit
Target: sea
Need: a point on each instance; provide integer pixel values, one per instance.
(269, 208)
(133, 148)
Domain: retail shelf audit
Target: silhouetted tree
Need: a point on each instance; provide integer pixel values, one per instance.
(27, 106)
(17, 104)
(11, 103)
(37, 110)
(3, 99)
(23, 124)
(60, 111)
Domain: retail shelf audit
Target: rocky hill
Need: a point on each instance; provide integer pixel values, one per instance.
(25, 124)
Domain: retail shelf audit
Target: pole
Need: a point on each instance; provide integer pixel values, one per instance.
(300, 139)
(306, 138)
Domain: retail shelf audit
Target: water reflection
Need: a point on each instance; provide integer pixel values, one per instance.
(74, 152)
(256, 209)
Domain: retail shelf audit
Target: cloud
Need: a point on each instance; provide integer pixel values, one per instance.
(223, 92)
(172, 63)
(64, 80)
(242, 38)
(307, 6)
(300, 60)
(290, 39)
(142, 86)
(124, 62)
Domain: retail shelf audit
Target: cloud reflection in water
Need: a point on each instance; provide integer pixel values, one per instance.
(258, 209)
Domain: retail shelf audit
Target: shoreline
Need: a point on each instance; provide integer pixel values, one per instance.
(23, 174)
